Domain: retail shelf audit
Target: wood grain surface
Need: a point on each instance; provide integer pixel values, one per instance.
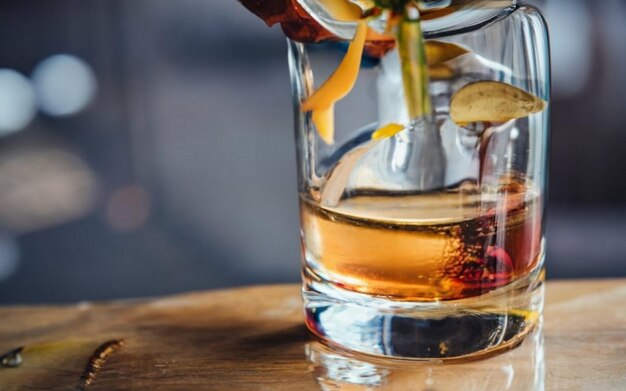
(254, 339)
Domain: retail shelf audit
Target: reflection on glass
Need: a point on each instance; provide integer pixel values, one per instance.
(519, 369)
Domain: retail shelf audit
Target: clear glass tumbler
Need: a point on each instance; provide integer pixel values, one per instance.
(428, 243)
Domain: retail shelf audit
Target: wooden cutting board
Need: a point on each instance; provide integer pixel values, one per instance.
(253, 339)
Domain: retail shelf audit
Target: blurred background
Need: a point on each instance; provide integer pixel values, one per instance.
(146, 147)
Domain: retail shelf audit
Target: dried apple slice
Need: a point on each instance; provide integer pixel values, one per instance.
(492, 101)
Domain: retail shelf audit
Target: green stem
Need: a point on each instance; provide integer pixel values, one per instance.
(414, 66)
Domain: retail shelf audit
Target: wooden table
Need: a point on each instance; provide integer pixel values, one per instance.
(253, 339)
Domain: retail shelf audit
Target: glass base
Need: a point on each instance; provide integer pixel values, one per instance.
(453, 330)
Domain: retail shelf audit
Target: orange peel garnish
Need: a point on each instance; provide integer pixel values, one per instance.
(387, 131)
(339, 84)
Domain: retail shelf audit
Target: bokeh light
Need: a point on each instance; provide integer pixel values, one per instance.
(17, 101)
(44, 186)
(128, 208)
(64, 84)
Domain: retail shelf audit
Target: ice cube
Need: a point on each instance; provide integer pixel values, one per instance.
(338, 178)
(412, 160)
(416, 157)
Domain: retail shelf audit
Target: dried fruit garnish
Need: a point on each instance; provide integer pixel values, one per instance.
(492, 101)
(387, 131)
(272, 12)
(338, 85)
(439, 51)
(296, 23)
(403, 29)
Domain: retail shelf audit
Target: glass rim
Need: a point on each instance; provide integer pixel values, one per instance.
(462, 21)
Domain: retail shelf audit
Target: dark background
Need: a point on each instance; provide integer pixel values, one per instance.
(180, 172)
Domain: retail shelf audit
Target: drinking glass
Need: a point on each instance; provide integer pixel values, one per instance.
(522, 370)
(429, 243)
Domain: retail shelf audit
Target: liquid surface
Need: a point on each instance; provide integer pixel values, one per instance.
(438, 246)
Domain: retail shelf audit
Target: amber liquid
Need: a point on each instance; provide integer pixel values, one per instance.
(448, 245)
